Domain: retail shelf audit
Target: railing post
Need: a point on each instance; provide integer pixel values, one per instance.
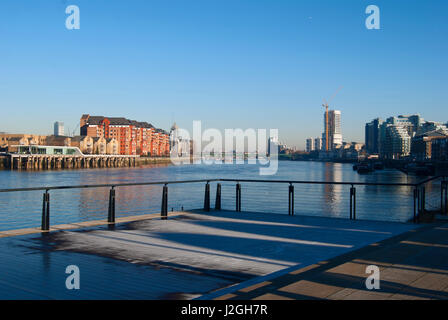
(218, 197)
(207, 197)
(415, 204)
(443, 198)
(111, 212)
(446, 197)
(291, 200)
(46, 212)
(164, 211)
(422, 200)
(238, 197)
(352, 203)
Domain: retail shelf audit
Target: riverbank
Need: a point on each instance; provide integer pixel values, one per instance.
(152, 160)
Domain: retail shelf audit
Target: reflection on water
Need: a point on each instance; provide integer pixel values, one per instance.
(23, 209)
(332, 172)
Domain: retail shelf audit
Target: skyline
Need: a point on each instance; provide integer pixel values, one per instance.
(238, 64)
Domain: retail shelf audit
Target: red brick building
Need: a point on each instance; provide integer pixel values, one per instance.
(135, 138)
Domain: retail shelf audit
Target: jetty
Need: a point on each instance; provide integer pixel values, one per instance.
(56, 157)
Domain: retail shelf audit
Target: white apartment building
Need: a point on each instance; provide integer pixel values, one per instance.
(59, 128)
(309, 145)
(318, 142)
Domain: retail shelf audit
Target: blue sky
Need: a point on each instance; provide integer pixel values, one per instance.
(229, 63)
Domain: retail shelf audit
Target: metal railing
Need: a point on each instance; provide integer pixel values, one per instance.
(419, 194)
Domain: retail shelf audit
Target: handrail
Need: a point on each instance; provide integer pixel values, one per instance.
(108, 185)
(219, 180)
(418, 194)
(429, 179)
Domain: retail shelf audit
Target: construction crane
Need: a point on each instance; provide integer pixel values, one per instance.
(325, 105)
(72, 133)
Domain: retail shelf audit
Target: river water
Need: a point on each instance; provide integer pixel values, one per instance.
(23, 209)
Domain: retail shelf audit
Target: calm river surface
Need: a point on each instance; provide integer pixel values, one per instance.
(23, 209)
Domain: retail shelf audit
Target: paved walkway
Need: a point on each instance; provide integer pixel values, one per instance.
(187, 256)
(413, 265)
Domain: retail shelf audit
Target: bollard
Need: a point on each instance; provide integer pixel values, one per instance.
(46, 211)
(291, 200)
(238, 197)
(111, 212)
(207, 197)
(218, 197)
(164, 211)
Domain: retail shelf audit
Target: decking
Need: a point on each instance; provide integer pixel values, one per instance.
(190, 255)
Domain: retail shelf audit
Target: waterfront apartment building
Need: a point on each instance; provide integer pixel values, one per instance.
(392, 138)
(309, 145)
(430, 126)
(334, 130)
(372, 136)
(59, 128)
(421, 145)
(439, 149)
(411, 122)
(318, 143)
(21, 139)
(134, 138)
(397, 142)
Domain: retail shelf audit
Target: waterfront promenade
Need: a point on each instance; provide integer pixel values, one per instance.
(224, 255)
(413, 266)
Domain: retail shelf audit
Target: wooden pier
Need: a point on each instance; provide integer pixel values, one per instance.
(42, 162)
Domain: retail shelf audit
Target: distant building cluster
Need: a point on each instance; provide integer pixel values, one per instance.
(87, 145)
(99, 135)
(133, 137)
(332, 130)
(407, 137)
(336, 147)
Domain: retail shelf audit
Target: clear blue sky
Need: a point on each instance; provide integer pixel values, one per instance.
(229, 63)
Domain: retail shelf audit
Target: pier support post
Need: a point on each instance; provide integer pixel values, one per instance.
(164, 211)
(218, 197)
(291, 200)
(352, 203)
(111, 212)
(46, 212)
(207, 197)
(238, 197)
